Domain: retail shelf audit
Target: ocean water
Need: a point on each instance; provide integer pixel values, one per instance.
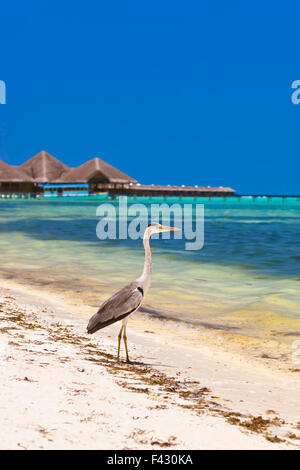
(245, 280)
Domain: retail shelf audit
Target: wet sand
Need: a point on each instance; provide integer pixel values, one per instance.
(187, 388)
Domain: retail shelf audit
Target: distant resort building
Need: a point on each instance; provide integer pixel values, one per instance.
(45, 176)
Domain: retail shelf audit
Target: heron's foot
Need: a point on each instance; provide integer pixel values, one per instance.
(128, 360)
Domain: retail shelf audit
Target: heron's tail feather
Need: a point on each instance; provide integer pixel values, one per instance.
(93, 330)
(94, 324)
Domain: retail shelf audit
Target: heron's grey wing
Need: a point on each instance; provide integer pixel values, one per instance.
(117, 307)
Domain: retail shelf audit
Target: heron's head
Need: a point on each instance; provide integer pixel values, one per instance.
(158, 228)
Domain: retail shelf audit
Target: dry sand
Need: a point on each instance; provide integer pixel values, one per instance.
(62, 389)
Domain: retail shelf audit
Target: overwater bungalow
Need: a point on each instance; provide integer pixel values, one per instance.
(13, 179)
(45, 176)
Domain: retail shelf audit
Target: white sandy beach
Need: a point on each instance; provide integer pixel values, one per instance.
(62, 389)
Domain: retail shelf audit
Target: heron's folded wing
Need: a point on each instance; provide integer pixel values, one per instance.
(117, 307)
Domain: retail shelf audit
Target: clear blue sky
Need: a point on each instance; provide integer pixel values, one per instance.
(169, 92)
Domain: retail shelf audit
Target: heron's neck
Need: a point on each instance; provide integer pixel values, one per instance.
(146, 274)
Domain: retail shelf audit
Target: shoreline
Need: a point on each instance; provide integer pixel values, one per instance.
(220, 400)
(266, 327)
(270, 349)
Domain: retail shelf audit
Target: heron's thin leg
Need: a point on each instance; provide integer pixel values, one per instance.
(125, 342)
(119, 342)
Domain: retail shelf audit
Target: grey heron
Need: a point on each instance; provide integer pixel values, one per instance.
(127, 300)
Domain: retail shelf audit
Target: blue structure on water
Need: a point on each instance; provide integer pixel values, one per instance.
(54, 190)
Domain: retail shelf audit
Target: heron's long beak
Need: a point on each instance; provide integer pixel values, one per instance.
(164, 228)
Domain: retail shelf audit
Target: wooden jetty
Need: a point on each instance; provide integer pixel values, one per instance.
(142, 190)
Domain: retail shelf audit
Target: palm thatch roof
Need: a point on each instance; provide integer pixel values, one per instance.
(44, 168)
(13, 174)
(95, 169)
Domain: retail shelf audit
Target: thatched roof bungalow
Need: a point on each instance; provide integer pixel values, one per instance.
(95, 170)
(96, 175)
(44, 168)
(12, 173)
(14, 179)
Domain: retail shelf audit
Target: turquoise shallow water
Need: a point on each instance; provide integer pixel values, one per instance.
(249, 262)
